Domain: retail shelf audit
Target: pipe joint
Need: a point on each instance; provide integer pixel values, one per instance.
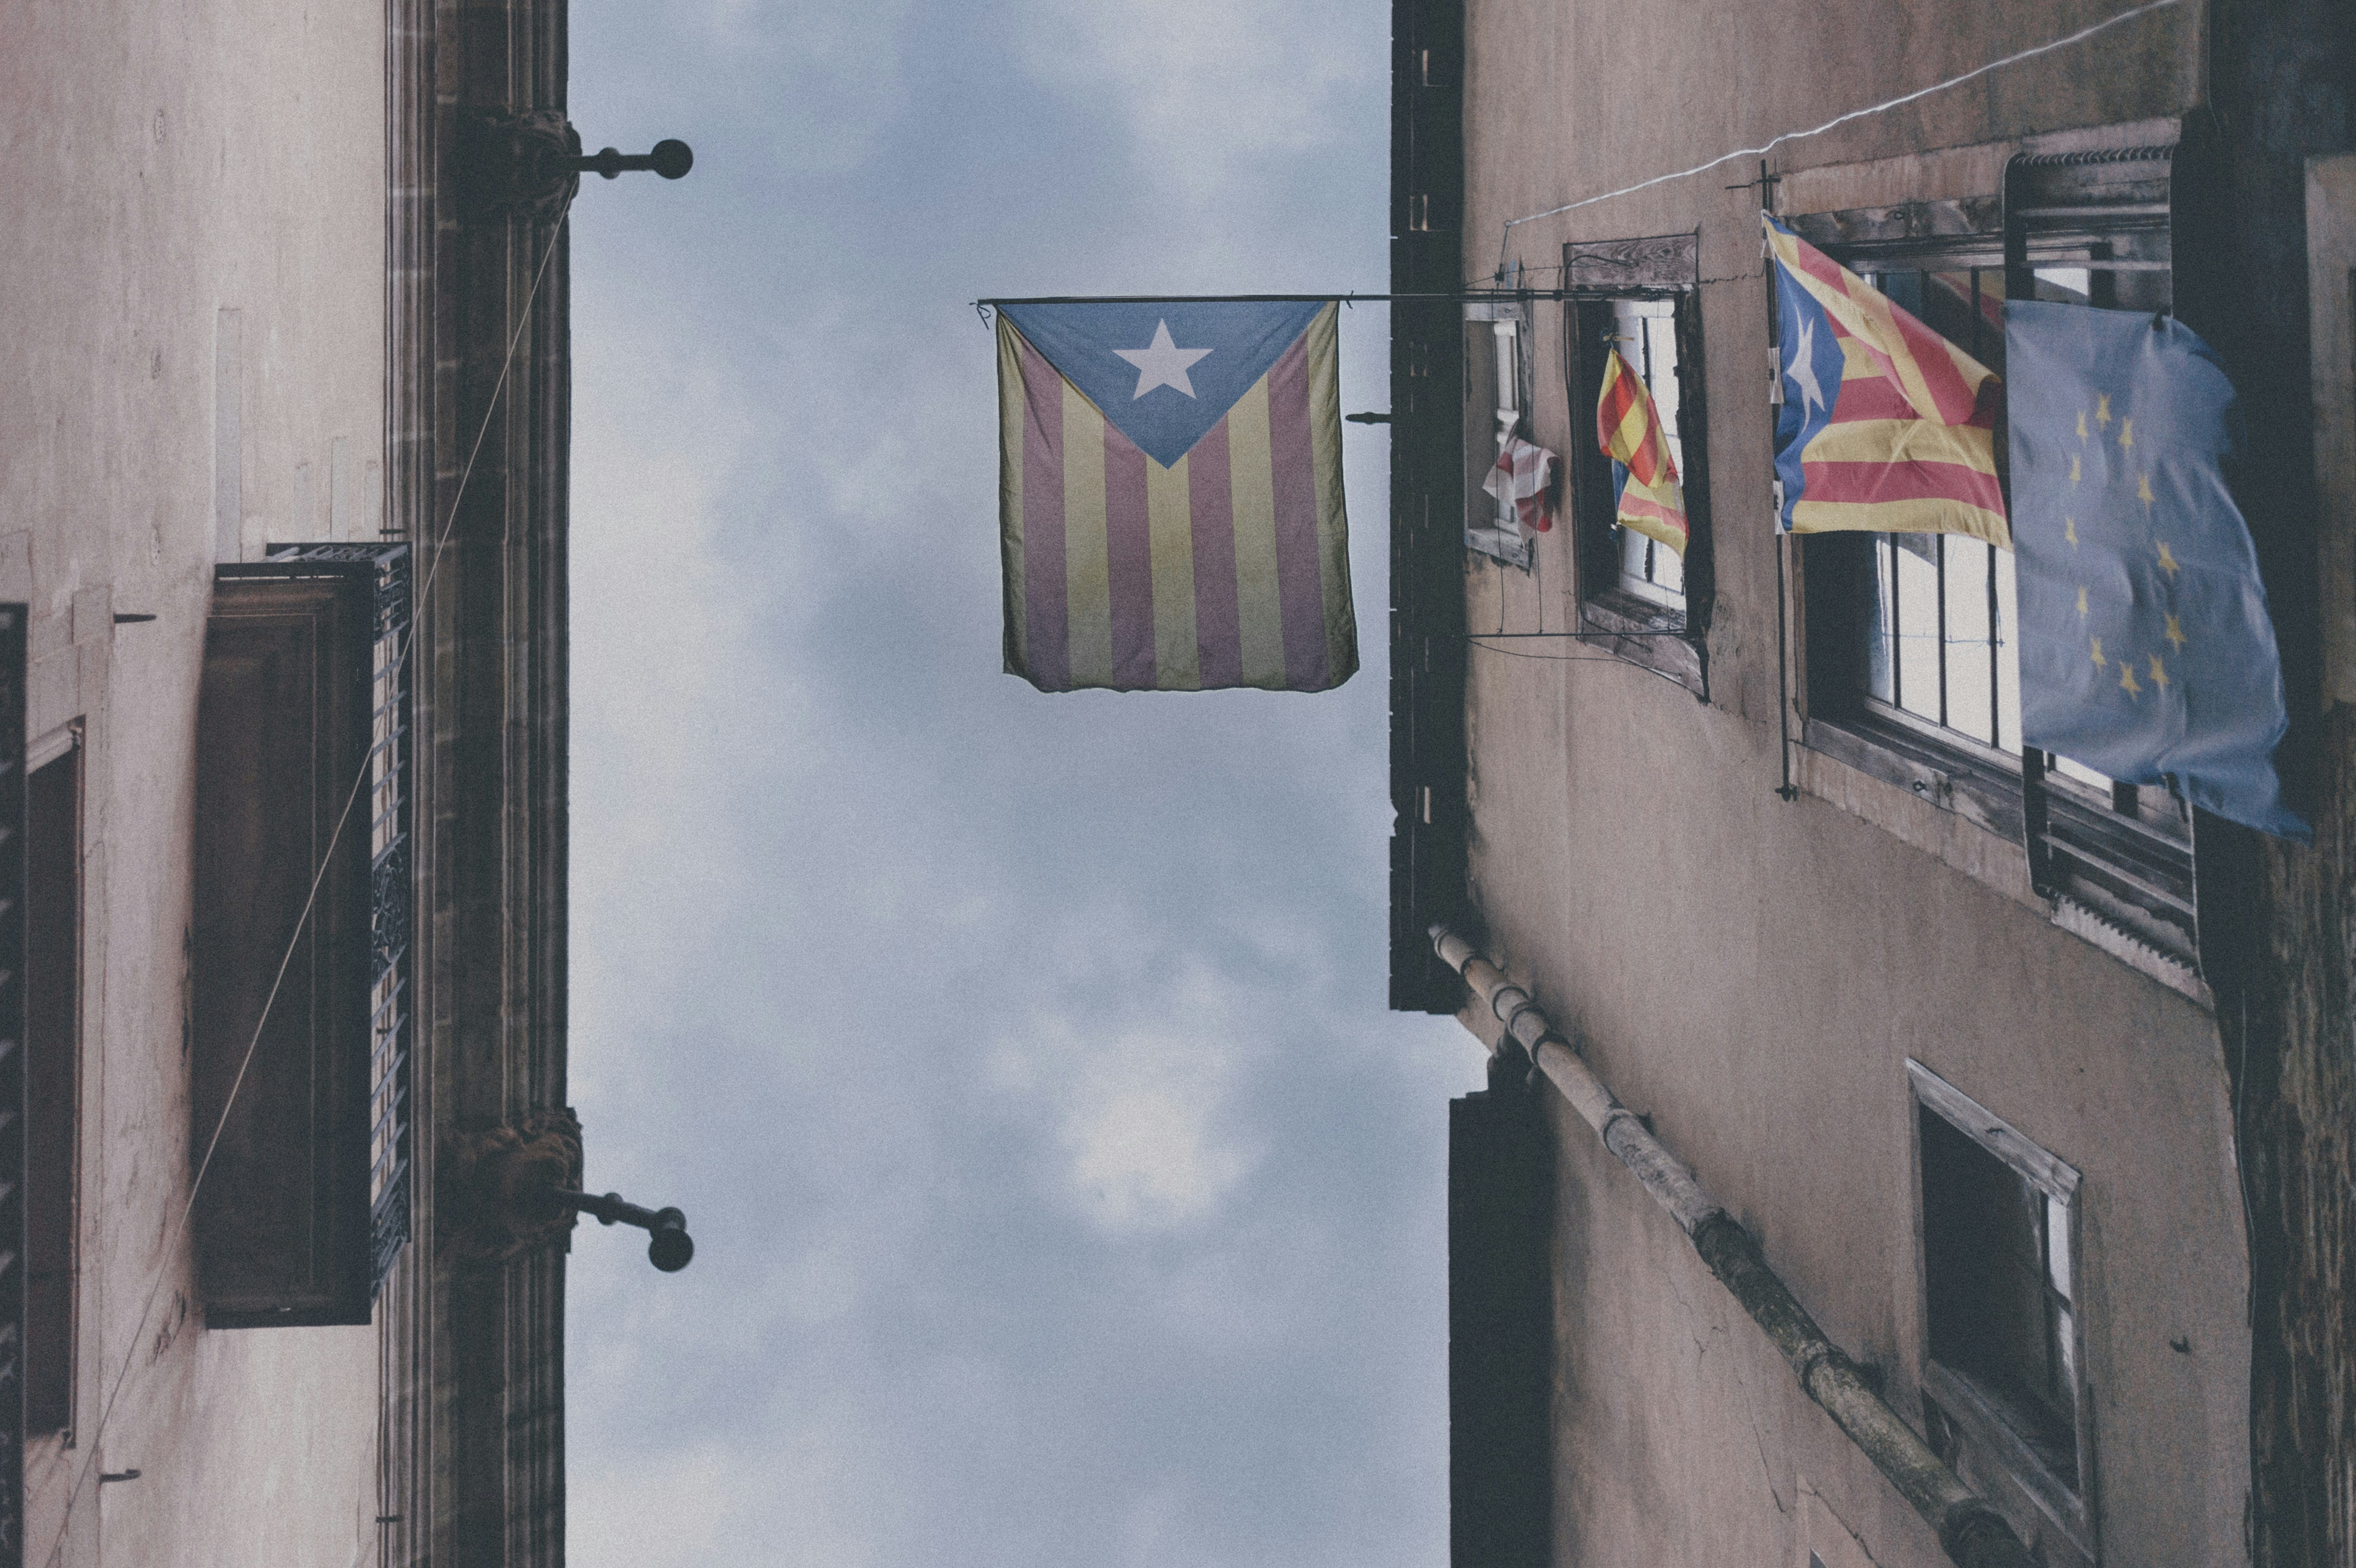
(1829, 1358)
(1976, 1536)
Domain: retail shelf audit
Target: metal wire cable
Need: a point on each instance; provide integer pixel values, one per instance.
(1505, 238)
(179, 1224)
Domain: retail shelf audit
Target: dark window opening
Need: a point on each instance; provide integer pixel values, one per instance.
(52, 1053)
(1997, 1267)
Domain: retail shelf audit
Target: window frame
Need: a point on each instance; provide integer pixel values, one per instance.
(1967, 1424)
(2118, 870)
(14, 618)
(1485, 521)
(347, 608)
(1599, 275)
(52, 1088)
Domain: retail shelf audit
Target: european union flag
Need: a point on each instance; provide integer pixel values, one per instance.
(2145, 648)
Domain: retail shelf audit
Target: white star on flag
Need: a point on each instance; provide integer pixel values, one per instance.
(1802, 371)
(1162, 363)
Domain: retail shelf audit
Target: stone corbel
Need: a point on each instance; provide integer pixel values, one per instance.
(498, 1188)
(519, 165)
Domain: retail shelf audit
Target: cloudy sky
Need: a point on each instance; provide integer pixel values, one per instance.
(1064, 1194)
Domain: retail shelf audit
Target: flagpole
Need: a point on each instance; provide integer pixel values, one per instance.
(1465, 295)
(1786, 791)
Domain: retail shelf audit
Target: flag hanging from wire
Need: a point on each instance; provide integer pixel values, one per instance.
(1169, 495)
(1523, 475)
(1885, 424)
(2147, 650)
(1651, 500)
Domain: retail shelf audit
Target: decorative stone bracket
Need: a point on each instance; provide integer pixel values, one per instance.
(527, 166)
(496, 1187)
(509, 1189)
(515, 166)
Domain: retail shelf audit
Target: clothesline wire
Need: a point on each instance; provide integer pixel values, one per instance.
(106, 1411)
(1505, 238)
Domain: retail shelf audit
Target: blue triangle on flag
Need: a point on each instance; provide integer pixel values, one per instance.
(1163, 373)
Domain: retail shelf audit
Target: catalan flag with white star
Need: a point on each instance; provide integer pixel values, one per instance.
(2147, 651)
(1885, 425)
(1169, 495)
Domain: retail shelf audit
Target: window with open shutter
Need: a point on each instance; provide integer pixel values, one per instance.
(299, 1130)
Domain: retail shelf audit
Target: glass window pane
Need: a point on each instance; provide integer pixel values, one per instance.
(2056, 1244)
(1880, 673)
(1661, 377)
(1918, 625)
(1668, 569)
(2080, 772)
(2067, 286)
(1971, 677)
(1645, 332)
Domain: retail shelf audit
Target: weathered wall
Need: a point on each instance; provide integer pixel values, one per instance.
(2284, 85)
(1753, 973)
(166, 162)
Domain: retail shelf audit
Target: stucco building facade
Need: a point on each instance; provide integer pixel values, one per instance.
(290, 833)
(2035, 1089)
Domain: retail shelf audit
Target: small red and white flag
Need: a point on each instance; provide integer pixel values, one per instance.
(1524, 474)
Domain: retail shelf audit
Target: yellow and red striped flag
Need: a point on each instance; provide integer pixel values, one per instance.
(1628, 428)
(1169, 495)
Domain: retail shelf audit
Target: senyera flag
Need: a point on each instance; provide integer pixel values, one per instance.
(1628, 426)
(1885, 424)
(1169, 495)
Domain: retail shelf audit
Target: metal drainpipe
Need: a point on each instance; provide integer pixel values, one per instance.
(1973, 1533)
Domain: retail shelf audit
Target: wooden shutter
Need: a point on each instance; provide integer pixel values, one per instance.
(281, 1215)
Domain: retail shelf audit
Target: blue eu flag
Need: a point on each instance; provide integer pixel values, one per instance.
(2145, 648)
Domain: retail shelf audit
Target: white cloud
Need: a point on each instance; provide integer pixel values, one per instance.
(1140, 1103)
(823, 79)
(1208, 85)
(701, 1519)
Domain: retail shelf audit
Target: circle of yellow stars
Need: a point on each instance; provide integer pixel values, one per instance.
(2156, 669)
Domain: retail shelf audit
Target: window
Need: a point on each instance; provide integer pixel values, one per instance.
(1646, 333)
(1938, 646)
(301, 718)
(52, 1071)
(2003, 1391)
(1496, 407)
(1641, 597)
(12, 1062)
(1912, 666)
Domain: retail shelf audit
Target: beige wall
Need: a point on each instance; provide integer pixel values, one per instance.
(164, 162)
(1753, 973)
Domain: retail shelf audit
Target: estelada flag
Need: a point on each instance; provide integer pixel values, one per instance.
(1885, 424)
(1628, 428)
(1169, 496)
